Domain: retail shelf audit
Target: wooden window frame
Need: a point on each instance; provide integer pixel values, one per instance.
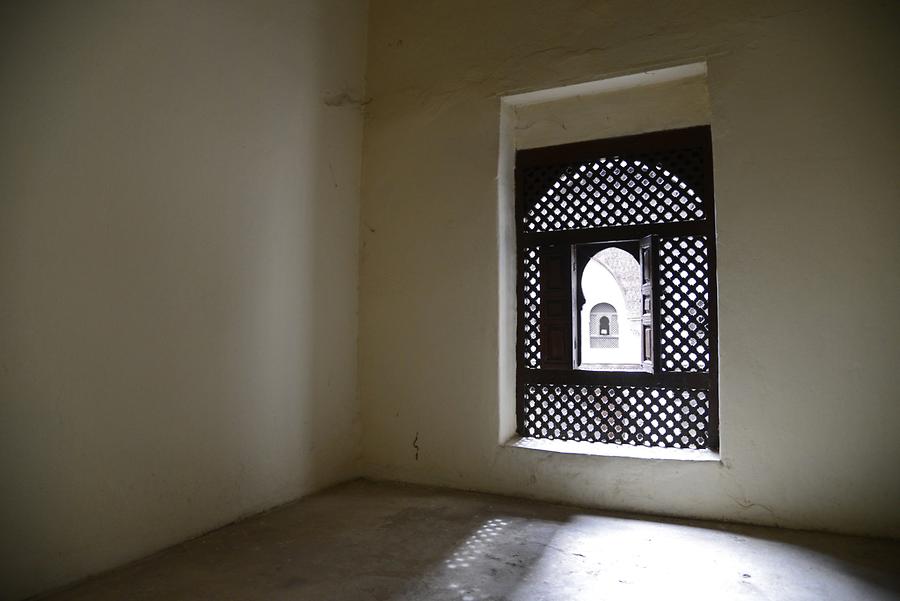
(567, 374)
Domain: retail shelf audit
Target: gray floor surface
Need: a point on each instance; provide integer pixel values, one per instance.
(383, 541)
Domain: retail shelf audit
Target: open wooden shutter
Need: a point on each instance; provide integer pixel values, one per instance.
(648, 305)
(556, 307)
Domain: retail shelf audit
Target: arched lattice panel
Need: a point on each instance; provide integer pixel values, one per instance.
(641, 416)
(614, 191)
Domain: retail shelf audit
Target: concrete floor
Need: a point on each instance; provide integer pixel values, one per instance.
(367, 541)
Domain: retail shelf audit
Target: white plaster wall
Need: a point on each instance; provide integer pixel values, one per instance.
(670, 98)
(179, 187)
(803, 101)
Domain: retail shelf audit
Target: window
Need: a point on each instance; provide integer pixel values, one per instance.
(610, 287)
(616, 291)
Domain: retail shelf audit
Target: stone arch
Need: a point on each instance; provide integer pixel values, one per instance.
(627, 272)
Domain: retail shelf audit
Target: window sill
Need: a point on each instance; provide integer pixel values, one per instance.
(600, 449)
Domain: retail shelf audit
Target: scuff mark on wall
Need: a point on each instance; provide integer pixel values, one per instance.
(333, 176)
(558, 122)
(415, 444)
(345, 98)
(748, 504)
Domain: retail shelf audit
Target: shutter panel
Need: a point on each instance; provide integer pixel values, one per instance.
(556, 307)
(649, 343)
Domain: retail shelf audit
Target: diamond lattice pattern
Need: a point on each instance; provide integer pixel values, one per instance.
(641, 416)
(684, 304)
(613, 192)
(531, 311)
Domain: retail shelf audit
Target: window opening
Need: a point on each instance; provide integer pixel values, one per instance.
(617, 319)
(610, 311)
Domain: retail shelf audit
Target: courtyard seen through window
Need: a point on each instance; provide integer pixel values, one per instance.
(610, 314)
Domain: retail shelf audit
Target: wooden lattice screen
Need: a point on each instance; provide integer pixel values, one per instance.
(654, 190)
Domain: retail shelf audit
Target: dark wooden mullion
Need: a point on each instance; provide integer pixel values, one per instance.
(616, 233)
(656, 308)
(649, 304)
